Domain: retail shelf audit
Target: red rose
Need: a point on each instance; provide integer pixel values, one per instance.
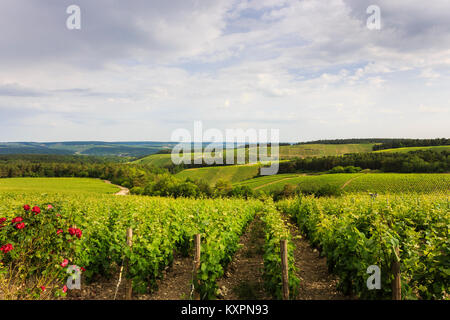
(17, 219)
(2, 220)
(59, 231)
(36, 210)
(43, 288)
(72, 231)
(64, 263)
(78, 233)
(26, 207)
(20, 225)
(83, 269)
(64, 289)
(6, 248)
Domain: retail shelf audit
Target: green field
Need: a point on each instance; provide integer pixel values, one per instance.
(357, 182)
(161, 160)
(260, 182)
(158, 160)
(409, 149)
(213, 174)
(322, 150)
(56, 185)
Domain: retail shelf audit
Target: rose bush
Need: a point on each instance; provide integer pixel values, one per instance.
(35, 252)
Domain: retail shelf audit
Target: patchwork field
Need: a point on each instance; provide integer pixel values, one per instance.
(57, 185)
(285, 152)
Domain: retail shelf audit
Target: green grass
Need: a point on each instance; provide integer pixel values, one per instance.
(358, 182)
(213, 174)
(56, 185)
(409, 149)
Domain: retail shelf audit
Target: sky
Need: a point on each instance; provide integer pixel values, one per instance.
(139, 69)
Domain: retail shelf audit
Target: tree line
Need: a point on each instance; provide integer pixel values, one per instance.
(127, 175)
(385, 143)
(404, 143)
(423, 161)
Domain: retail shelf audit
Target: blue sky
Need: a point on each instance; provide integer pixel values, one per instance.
(138, 70)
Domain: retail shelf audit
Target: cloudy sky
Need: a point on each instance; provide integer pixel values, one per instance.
(139, 69)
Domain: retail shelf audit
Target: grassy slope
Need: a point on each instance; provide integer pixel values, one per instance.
(258, 182)
(159, 160)
(404, 150)
(212, 174)
(59, 185)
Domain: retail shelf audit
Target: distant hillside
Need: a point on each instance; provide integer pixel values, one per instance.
(285, 152)
(93, 148)
(322, 150)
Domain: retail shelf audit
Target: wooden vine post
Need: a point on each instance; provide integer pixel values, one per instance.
(284, 269)
(129, 286)
(197, 241)
(396, 283)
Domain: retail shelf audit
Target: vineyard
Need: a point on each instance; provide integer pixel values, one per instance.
(356, 182)
(352, 232)
(160, 227)
(355, 232)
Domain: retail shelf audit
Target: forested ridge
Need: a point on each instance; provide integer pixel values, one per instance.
(423, 161)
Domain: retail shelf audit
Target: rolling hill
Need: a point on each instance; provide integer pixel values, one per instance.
(285, 152)
(213, 174)
(93, 148)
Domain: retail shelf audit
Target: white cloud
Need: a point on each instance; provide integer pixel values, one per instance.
(310, 68)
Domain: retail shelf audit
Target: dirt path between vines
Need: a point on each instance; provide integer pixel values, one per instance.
(176, 281)
(316, 283)
(349, 181)
(243, 279)
(175, 285)
(123, 191)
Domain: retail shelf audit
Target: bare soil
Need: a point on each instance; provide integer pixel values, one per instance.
(243, 278)
(316, 283)
(175, 285)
